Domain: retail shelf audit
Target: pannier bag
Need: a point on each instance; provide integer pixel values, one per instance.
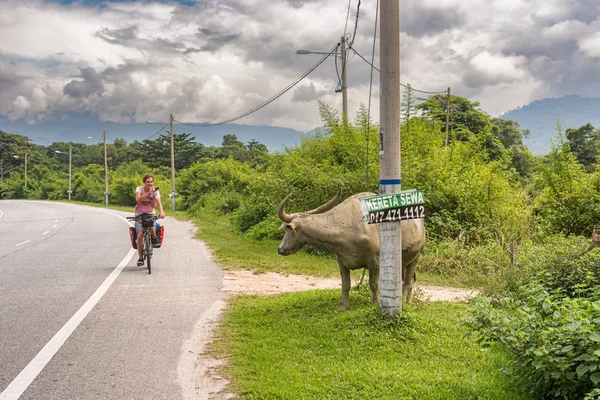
(133, 237)
(160, 234)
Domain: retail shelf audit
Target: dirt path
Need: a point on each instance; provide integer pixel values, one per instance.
(211, 386)
(272, 283)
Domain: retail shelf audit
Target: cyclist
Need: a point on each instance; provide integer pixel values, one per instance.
(146, 197)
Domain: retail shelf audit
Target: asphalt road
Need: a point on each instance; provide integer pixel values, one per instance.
(78, 319)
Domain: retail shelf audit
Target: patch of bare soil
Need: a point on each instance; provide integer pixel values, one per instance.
(271, 283)
(210, 385)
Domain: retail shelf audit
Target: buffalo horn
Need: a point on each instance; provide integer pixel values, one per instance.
(281, 214)
(327, 206)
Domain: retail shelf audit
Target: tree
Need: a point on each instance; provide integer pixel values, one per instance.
(583, 142)
(466, 118)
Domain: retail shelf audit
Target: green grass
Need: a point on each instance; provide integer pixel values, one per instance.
(295, 346)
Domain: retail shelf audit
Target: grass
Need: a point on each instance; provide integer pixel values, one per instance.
(295, 346)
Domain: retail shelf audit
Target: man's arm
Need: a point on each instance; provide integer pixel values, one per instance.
(140, 196)
(160, 208)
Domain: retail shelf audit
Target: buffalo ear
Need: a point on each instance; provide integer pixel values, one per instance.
(290, 226)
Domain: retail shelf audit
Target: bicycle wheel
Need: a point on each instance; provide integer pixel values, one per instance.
(148, 250)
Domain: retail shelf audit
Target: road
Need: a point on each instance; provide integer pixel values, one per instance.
(78, 319)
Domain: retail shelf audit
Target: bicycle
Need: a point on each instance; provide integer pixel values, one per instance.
(147, 222)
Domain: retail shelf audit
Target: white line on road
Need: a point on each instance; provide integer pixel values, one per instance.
(1, 214)
(54, 226)
(45, 233)
(18, 386)
(20, 244)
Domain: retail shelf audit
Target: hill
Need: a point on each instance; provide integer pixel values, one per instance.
(77, 127)
(540, 118)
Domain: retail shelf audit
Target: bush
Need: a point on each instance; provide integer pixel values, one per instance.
(267, 229)
(554, 339)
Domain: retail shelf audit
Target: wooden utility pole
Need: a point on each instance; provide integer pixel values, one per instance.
(390, 256)
(172, 166)
(447, 115)
(344, 82)
(105, 172)
(25, 170)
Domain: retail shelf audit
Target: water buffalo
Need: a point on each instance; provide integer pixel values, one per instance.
(339, 230)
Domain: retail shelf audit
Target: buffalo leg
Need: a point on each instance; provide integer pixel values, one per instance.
(408, 274)
(374, 283)
(345, 300)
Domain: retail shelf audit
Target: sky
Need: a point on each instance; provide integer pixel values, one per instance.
(213, 60)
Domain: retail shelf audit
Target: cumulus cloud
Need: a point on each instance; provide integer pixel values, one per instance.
(90, 85)
(215, 59)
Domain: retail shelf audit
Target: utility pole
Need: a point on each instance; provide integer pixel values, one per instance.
(447, 115)
(105, 172)
(70, 152)
(390, 256)
(172, 166)
(25, 170)
(344, 82)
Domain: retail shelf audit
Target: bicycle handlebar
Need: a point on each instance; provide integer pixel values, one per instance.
(139, 217)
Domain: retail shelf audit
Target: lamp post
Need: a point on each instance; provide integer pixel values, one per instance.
(70, 156)
(344, 84)
(25, 168)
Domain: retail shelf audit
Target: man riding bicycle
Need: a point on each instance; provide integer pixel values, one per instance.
(146, 197)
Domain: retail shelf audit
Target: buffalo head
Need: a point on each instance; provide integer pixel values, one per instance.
(293, 239)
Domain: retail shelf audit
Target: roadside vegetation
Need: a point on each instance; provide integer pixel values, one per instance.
(500, 219)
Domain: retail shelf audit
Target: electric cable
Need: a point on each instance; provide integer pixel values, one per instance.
(275, 97)
(159, 131)
(401, 84)
(355, 24)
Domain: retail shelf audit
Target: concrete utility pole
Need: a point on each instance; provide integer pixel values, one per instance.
(344, 82)
(447, 115)
(390, 256)
(172, 166)
(105, 172)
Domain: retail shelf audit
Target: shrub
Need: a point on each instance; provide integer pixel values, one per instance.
(554, 339)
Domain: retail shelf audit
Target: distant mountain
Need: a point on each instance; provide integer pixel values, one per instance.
(540, 118)
(77, 127)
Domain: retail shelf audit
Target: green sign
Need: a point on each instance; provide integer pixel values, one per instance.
(389, 201)
(408, 204)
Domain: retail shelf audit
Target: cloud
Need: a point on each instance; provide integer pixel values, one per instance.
(90, 85)
(216, 59)
(307, 92)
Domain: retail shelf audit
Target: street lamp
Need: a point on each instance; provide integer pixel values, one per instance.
(25, 168)
(344, 81)
(70, 156)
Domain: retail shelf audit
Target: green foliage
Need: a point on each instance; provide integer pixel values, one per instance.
(566, 198)
(554, 339)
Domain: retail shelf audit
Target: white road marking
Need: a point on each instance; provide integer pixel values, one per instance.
(45, 233)
(20, 244)
(18, 386)
(1, 214)
(55, 220)
(54, 226)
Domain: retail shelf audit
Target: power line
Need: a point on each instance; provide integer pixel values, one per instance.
(159, 131)
(275, 97)
(401, 84)
(347, 15)
(355, 24)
